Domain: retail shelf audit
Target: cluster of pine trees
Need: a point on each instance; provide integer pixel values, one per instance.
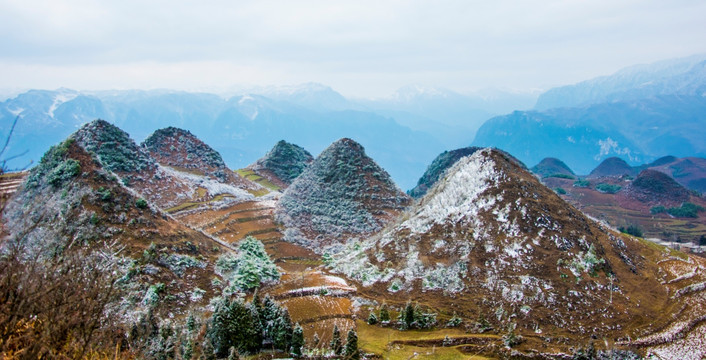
(249, 327)
(237, 327)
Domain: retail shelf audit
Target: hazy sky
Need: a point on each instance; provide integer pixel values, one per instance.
(360, 48)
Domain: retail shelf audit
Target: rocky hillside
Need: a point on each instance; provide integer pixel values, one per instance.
(499, 244)
(181, 149)
(283, 163)
(118, 153)
(164, 186)
(689, 171)
(612, 166)
(70, 201)
(549, 167)
(343, 192)
(437, 168)
(652, 186)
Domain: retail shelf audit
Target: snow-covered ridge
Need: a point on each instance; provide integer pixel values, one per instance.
(457, 196)
(60, 98)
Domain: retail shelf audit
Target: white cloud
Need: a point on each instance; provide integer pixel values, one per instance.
(358, 47)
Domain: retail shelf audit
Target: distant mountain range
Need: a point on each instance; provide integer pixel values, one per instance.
(640, 113)
(404, 132)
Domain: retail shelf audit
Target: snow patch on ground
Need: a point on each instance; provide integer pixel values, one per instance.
(457, 196)
(212, 186)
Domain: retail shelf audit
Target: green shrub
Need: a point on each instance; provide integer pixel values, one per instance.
(687, 209)
(455, 321)
(372, 319)
(631, 230)
(560, 191)
(66, 170)
(561, 176)
(608, 188)
(141, 203)
(581, 183)
(104, 193)
(658, 210)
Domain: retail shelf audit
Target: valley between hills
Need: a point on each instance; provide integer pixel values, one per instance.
(171, 254)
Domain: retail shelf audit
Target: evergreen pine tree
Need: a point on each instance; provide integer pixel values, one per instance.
(234, 324)
(188, 350)
(372, 319)
(407, 315)
(207, 350)
(336, 346)
(256, 330)
(268, 315)
(352, 352)
(384, 313)
(191, 323)
(282, 330)
(297, 340)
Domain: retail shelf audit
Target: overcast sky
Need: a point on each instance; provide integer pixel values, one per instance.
(360, 48)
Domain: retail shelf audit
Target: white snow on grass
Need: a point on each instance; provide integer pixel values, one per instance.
(213, 187)
(692, 346)
(335, 280)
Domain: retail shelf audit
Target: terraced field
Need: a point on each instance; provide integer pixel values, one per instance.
(686, 279)
(390, 343)
(316, 300)
(252, 176)
(11, 181)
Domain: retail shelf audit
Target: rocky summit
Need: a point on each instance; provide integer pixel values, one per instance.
(437, 167)
(652, 186)
(180, 148)
(549, 167)
(612, 166)
(342, 193)
(283, 163)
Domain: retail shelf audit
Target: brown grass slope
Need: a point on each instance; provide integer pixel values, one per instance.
(523, 256)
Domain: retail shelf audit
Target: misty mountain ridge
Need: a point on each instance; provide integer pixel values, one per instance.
(683, 76)
(640, 113)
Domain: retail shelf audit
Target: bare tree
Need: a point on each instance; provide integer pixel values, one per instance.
(55, 307)
(3, 159)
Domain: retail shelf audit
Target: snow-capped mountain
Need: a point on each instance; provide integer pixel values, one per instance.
(684, 76)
